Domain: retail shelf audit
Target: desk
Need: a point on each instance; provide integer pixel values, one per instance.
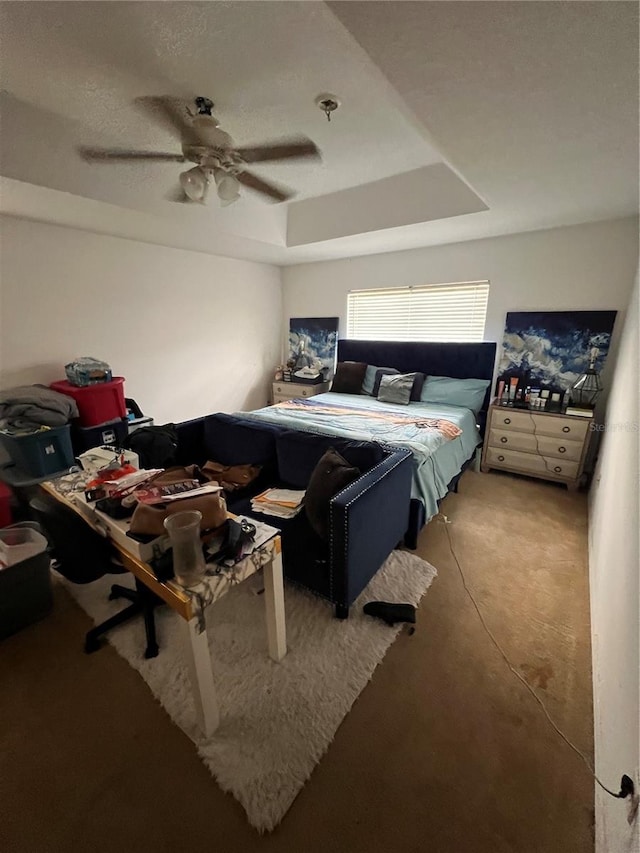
(190, 603)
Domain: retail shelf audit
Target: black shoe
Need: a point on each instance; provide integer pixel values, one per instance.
(390, 612)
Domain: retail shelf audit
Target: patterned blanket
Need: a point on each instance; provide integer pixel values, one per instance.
(447, 429)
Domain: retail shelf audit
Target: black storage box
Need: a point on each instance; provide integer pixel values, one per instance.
(111, 434)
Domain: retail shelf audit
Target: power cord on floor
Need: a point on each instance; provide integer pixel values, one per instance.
(625, 790)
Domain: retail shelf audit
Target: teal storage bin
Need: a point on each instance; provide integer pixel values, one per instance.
(41, 453)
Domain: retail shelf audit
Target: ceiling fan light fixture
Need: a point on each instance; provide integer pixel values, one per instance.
(195, 184)
(228, 187)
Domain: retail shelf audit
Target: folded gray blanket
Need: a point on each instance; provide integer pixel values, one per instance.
(33, 406)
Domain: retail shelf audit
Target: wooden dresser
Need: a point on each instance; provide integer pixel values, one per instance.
(537, 443)
(291, 390)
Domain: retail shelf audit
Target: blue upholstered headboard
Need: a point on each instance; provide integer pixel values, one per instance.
(460, 361)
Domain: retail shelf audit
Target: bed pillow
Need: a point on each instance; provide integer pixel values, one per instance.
(380, 372)
(349, 377)
(469, 393)
(369, 380)
(332, 474)
(416, 389)
(396, 389)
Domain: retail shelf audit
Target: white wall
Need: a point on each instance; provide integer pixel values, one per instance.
(577, 267)
(615, 598)
(191, 333)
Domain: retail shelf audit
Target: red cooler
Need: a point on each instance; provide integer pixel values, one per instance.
(98, 403)
(5, 505)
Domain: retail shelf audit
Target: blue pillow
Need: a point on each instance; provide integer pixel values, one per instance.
(369, 379)
(469, 393)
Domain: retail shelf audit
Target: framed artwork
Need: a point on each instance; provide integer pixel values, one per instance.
(313, 344)
(551, 349)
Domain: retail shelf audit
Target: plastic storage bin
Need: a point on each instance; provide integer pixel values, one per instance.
(112, 434)
(41, 453)
(97, 404)
(25, 587)
(19, 543)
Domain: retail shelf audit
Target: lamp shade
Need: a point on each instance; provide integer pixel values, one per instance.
(195, 184)
(228, 187)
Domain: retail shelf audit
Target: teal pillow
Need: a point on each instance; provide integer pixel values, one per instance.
(369, 379)
(469, 393)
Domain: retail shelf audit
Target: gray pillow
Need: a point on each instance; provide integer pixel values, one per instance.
(380, 372)
(396, 389)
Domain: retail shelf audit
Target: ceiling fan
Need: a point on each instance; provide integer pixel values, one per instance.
(213, 151)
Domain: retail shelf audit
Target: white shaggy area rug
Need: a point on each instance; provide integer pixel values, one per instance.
(277, 719)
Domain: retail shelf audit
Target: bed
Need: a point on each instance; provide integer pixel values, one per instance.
(439, 457)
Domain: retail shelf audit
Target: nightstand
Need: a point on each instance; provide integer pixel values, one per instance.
(291, 390)
(542, 444)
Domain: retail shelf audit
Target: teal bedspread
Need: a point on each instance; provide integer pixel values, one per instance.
(437, 459)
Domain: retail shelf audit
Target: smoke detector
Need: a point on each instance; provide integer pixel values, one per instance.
(328, 104)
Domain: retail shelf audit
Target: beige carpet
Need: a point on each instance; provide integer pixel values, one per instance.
(277, 720)
(443, 751)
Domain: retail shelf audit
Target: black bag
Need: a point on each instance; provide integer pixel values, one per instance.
(156, 446)
(235, 535)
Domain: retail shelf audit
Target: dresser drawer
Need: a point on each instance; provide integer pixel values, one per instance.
(511, 420)
(561, 427)
(559, 448)
(535, 443)
(531, 463)
(291, 390)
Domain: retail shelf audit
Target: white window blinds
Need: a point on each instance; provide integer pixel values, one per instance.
(435, 312)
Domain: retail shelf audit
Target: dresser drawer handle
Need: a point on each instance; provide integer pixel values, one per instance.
(562, 450)
(566, 429)
(507, 420)
(558, 469)
(304, 392)
(504, 439)
(500, 458)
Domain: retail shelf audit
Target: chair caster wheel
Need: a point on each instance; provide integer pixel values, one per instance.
(91, 645)
(151, 652)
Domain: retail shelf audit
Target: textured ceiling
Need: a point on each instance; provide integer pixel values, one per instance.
(534, 105)
(263, 63)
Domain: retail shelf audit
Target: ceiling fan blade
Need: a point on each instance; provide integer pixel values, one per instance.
(256, 183)
(95, 155)
(285, 149)
(171, 113)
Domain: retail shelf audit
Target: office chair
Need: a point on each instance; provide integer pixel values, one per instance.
(83, 556)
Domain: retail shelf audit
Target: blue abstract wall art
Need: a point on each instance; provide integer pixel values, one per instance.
(313, 342)
(551, 348)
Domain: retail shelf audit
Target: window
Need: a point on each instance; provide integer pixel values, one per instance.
(435, 312)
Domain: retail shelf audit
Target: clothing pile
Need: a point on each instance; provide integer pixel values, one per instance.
(29, 407)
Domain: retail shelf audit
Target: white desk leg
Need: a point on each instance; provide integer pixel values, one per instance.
(202, 686)
(274, 606)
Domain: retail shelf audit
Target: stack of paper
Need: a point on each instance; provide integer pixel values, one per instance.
(283, 503)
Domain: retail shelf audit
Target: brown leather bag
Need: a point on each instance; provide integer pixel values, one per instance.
(149, 520)
(231, 477)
